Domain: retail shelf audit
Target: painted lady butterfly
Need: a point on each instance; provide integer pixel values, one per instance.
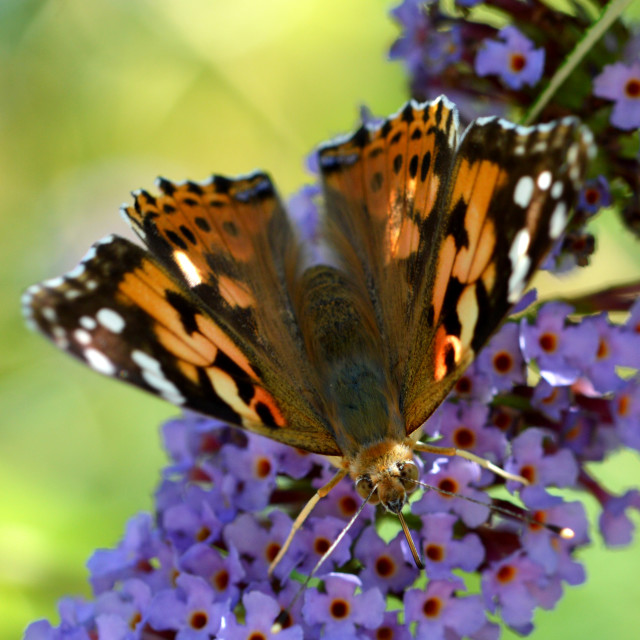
(430, 240)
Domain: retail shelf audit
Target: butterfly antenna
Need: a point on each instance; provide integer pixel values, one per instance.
(407, 534)
(563, 532)
(285, 613)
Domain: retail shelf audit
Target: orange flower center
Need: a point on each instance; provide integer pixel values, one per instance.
(632, 88)
(518, 62)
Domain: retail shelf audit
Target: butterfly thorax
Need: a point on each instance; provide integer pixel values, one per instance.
(346, 349)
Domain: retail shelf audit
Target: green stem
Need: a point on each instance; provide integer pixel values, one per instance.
(609, 14)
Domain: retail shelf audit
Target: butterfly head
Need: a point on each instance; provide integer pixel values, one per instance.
(388, 470)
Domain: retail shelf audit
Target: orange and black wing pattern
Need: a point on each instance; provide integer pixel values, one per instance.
(445, 230)
(187, 319)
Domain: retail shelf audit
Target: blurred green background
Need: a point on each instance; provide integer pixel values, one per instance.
(96, 99)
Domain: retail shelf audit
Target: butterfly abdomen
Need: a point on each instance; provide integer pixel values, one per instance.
(344, 345)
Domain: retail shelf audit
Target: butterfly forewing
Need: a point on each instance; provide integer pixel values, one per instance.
(121, 313)
(382, 187)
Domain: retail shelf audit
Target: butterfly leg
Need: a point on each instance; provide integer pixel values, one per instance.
(302, 516)
(462, 453)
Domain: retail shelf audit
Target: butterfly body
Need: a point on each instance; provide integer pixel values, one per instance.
(433, 236)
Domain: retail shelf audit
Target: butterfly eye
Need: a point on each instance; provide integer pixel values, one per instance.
(364, 487)
(408, 474)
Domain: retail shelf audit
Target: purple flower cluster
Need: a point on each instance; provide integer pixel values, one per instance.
(489, 71)
(197, 569)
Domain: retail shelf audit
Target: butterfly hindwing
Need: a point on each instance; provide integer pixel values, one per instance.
(121, 313)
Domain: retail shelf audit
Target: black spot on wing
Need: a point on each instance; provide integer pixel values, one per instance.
(230, 228)
(186, 310)
(202, 224)
(413, 166)
(265, 415)
(188, 234)
(424, 166)
(175, 239)
(456, 224)
(452, 324)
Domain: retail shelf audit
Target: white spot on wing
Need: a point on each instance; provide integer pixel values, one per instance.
(82, 337)
(88, 322)
(572, 154)
(49, 314)
(558, 220)
(77, 271)
(145, 361)
(190, 271)
(90, 255)
(520, 263)
(110, 320)
(99, 362)
(53, 283)
(153, 375)
(165, 387)
(557, 189)
(544, 180)
(523, 191)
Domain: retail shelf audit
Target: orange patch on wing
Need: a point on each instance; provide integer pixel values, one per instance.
(224, 343)
(195, 349)
(465, 179)
(489, 276)
(225, 386)
(484, 251)
(188, 370)
(468, 311)
(480, 181)
(405, 242)
(235, 293)
(443, 274)
(444, 346)
(263, 397)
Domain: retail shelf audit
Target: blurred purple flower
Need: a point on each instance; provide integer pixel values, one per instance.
(621, 84)
(514, 59)
(594, 195)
